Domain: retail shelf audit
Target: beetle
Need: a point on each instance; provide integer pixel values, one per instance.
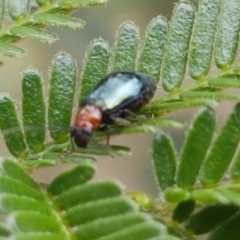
(115, 97)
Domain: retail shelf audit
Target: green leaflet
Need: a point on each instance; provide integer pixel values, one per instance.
(210, 95)
(196, 144)
(33, 109)
(79, 3)
(12, 169)
(140, 231)
(10, 50)
(9, 123)
(164, 159)
(13, 186)
(220, 195)
(205, 219)
(228, 33)
(176, 195)
(203, 38)
(222, 150)
(33, 32)
(2, 7)
(18, 9)
(175, 58)
(73, 177)
(160, 107)
(227, 230)
(61, 93)
(34, 222)
(90, 211)
(125, 48)
(11, 202)
(95, 66)
(105, 226)
(59, 20)
(224, 82)
(87, 193)
(183, 210)
(152, 48)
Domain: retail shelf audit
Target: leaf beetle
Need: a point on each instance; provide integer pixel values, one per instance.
(114, 97)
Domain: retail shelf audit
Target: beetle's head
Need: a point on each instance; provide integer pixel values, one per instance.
(81, 136)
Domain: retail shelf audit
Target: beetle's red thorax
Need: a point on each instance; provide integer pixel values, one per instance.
(89, 115)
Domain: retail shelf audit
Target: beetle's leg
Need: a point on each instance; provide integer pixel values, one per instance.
(121, 121)
(72, 147)
(108, 128)
(72, 144)
(128, 113)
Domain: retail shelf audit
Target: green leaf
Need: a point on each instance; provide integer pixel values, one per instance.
(152, 49)
(2, 9)
(75, 176)
(87, 193)
(33, 222)
(125, 48)
(90, 211)
(229, 229)
(223, 82)
(13, 186)
(12, 169)
(222, 150)
(104, 226)
(228, 33)
(176, 195)
(33, 109)
(95, 66)
(159, 107)
(183, 210)
(58, 20)
(196, 144)
(217, 195)
(61, 93)
(175, 58)
(10, 50)
(203, 38)
(140, 231)
(164, 159)
(209, 217)
(80, 3)
(10, 203)
(34, 32)
(235, 168)
(39, 236)
(18, 9)
(103, 149)
(9, 121)
(209, 95)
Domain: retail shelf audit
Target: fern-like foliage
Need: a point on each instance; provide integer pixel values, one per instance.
(201, 190)
(70, 208)
(28, 21)
(207, 173)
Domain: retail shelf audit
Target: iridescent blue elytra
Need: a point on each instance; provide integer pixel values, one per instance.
(114, 97)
